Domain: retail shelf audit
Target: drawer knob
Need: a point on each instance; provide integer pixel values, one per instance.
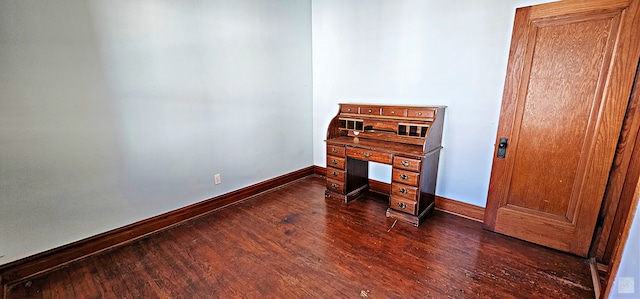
(335, 173)
(393, 112)
(349, 109)
(419, 113)
(369, 110)
(334, 162)
(334, 150)
(404, 191)
(405, 163)
(334, 186)
(404, 177)
(367, 155)
(402, 205)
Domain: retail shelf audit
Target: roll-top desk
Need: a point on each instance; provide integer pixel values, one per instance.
(406, 137)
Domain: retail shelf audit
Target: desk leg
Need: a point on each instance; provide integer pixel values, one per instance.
(346, 197)
(415, 220)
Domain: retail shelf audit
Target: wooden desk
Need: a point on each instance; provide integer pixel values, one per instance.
(406, 137)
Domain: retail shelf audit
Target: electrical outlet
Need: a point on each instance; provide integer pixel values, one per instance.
(625, 285)
(217, 179)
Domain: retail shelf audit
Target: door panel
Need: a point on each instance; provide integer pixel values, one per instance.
(561, 88)
(568, 82)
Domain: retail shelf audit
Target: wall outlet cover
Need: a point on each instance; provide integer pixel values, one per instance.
(626, 285)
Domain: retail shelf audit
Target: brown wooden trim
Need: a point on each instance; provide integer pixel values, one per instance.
(319, 170)
(614, 204)
(626, 205)
(620, 243)
(24, 268)
(380, 187)
(629, 181)
(459, 208)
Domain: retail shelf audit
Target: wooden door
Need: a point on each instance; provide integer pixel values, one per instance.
(569, 76)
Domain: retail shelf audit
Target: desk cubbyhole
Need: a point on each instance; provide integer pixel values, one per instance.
(413, 130)
(351, 124)
(402, 130)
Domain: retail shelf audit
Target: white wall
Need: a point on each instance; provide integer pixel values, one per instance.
(419, 52)
(116, 111)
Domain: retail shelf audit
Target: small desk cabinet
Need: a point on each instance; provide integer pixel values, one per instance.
(406, 137)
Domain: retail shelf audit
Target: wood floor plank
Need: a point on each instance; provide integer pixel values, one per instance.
(293, 243)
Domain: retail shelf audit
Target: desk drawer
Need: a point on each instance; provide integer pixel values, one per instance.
(335, 174)
(406, 163)
(335, 150)
(335, 162)
(349, 109)
(399, 112)
(421, 112)
(409, 193)
(402, 205)
(370, 110)
(335, 186)
(369, 155)
(406, 177)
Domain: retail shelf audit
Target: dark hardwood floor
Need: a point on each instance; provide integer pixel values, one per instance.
(292, 243)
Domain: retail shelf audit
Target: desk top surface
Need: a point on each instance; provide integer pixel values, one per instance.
(380, 145)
